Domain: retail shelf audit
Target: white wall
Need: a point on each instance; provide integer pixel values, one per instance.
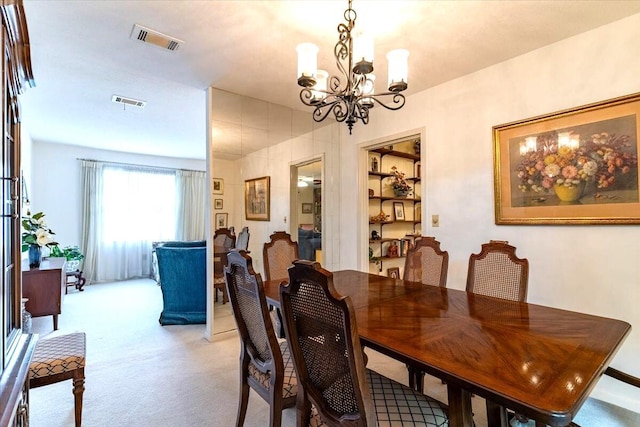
(591, 269)
(55, 181)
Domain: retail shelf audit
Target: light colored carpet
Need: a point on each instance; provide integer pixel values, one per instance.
(139, 373)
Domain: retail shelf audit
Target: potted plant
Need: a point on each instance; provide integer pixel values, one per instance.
(36, 234)
(72, 254)
(400, 186)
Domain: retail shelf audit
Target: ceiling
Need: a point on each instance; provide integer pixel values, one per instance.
(82, 55)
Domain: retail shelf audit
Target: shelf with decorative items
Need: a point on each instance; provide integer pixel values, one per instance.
(394, 204)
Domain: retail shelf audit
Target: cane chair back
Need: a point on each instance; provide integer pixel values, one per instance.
(497, 272)
(265, 365)
(242, 241)
(224, 238)
(335, 387)
(278, 255)
(427, 263)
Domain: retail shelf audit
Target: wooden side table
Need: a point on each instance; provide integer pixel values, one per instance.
(44, 287)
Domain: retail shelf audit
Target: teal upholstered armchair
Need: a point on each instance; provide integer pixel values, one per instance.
(183, 280)
(155, 275)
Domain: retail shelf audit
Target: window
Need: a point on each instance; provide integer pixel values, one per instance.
(138, 205)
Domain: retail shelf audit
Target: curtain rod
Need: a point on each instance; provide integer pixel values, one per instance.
(141, 166)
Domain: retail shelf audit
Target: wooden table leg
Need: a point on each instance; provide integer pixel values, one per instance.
(460, 411)
(55, 322)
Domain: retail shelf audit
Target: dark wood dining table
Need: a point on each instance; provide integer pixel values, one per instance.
(539, 361)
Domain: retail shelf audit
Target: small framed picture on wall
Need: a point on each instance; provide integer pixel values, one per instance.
(221, 220)
(217, 186)
(307, 208)
(218, 203)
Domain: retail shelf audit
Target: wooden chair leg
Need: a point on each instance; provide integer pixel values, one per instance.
(78, 392)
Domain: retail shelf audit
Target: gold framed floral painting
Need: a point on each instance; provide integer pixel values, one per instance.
(577, 166)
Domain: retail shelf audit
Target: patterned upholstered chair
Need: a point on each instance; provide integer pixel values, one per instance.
(428, 264)
(334, 385)
(265, 365)
(497, 272)
(58, 359)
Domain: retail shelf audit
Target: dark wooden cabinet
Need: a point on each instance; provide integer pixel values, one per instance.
(16, 348)
(44, 288)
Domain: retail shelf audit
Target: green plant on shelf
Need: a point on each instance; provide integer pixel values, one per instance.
(374, 259)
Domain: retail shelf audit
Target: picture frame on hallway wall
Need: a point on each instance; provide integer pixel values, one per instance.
(307, 208)
(576, 166)
(218, 203)
(217, 186)
(222, 220)
(257, 199)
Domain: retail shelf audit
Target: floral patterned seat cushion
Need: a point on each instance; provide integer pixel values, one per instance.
(59, 354)
(290, 385)
(397, 405)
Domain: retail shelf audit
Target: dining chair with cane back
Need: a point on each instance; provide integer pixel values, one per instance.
(334, 386)
(277, 255)
(265, 364)
(224, 240)
(428, 264)
(497, 272)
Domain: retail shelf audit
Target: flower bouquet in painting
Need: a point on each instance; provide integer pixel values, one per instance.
(36, 235)
(571, 167)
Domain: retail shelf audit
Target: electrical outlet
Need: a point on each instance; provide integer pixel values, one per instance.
(435, 220)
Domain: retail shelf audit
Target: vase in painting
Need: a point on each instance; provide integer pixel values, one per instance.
(569, 194)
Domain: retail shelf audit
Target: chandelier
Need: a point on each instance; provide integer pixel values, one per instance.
(351, 101)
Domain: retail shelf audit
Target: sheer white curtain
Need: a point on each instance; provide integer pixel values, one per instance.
(125, 209)
(191, 196)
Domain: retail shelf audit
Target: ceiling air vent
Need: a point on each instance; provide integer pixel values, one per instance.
(147, 35)
(128, 101)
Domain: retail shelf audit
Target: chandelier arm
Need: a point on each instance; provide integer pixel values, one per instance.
(325, 108)
(398, 98)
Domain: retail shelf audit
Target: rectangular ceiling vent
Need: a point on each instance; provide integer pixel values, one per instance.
(128, 101)
(147, 35)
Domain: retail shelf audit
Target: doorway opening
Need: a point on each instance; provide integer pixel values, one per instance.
(306, 209)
